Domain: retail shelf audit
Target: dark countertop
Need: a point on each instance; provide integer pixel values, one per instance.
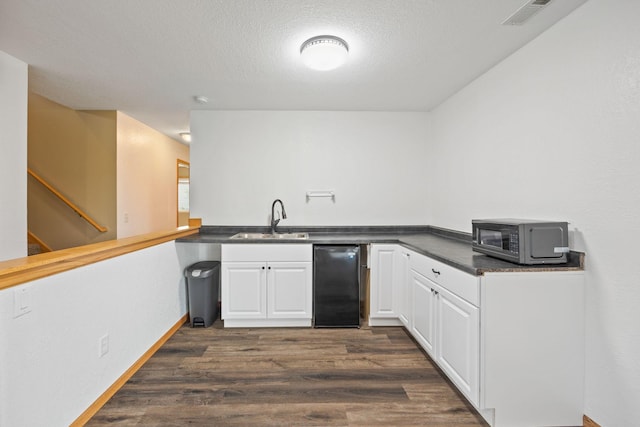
(448, 246)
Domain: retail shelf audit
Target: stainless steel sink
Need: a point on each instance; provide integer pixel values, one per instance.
(270, 236)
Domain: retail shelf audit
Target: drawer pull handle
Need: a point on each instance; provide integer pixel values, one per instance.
(263, 267)
(436, 272)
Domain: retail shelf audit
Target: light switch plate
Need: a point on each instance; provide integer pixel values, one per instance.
(104, 345)
(22, 301)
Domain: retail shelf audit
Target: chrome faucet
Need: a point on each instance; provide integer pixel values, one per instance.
(275, 221)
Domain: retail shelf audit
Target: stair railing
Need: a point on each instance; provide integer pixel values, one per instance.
(68, 202)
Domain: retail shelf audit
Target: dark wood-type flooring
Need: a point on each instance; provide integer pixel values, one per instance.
(288, 377)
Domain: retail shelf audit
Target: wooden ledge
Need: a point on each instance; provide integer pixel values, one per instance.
(22, 270)
(588, 422)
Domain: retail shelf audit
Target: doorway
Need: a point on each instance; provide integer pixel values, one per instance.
(183, 193)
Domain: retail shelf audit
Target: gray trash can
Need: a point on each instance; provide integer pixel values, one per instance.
(203, 283)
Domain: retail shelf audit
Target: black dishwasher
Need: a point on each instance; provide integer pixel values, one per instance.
(336, 286)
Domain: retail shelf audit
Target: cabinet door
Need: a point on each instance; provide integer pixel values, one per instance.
(243, 291)
(423, 308)
(457, 345)
(383, 274)
(404, 288)
(289, 290)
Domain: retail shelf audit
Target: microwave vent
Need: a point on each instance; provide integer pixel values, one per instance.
(525, 13)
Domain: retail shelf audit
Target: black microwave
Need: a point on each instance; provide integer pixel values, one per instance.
(522, 241)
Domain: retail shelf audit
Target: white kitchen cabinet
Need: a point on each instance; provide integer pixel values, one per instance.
(532, 348)
(417, 292)
(423, 311)
(266, 285)
(243, 290)
(382, 285)
(444, 324)
(289, 289)
(457, 348)
(511, 342)
(403, 285)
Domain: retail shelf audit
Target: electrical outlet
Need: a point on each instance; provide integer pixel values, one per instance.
(104, 345)
(126, 218)
(21, 301)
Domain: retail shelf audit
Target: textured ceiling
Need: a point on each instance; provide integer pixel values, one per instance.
(149, 58)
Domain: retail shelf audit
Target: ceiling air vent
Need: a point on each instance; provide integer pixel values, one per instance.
(525, 13)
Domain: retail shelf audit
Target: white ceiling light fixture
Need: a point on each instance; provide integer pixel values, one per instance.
(186, 136)
(324, 53)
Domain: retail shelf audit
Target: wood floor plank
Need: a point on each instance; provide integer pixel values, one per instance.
(288, 376)
(248, 415)
(403, 414)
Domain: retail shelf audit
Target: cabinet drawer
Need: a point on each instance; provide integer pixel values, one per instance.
(462, 284)
(267, 252)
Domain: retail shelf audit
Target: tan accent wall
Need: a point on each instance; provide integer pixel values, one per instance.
(75, 151)
(147, 181)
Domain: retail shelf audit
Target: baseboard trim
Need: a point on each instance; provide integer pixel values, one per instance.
(588, 422)
(100, 401)
(384, 321)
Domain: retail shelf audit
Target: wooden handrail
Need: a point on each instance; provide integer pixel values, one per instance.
(68, 202)
(33, 238)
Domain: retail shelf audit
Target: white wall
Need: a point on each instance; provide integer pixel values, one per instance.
(243, 160)
(554, 132)
(50, 367)
(13, 157)
(147, 180)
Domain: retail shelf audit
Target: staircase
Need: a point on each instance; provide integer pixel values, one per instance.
(35, 245)
(34, 249)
